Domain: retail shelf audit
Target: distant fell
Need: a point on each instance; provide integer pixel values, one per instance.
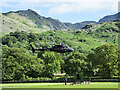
(110, 18)
(48, 22)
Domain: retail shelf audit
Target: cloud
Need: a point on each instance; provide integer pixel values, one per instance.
(56, 7)
(119, 7)
(83, 6)
(38, 11)
(60, 0)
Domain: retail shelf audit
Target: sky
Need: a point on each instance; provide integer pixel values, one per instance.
(73, 11)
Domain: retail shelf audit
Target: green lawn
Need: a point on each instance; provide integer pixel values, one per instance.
(61, 85)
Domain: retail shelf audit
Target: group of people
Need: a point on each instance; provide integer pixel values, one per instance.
(85, 82)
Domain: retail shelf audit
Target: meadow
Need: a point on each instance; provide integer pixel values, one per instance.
(61, 85)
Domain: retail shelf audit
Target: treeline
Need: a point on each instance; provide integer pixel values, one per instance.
(20, 64)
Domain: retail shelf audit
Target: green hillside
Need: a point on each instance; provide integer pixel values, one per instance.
(14, 22)
(80, 40)
(83, 40)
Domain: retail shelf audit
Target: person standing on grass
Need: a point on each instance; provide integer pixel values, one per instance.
(65, 81)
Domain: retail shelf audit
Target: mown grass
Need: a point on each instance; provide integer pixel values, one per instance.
(61, 85)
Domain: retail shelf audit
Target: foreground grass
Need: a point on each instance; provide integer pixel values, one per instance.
(61, 85)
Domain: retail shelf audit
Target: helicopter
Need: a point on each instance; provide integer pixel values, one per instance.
(56, 48)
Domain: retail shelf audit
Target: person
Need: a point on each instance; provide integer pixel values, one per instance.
(65, 81)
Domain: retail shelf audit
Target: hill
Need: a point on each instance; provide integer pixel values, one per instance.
(110, 18)
(14, 22)
(83, 40)
(47, 23)
(84, 37)
(30, 20)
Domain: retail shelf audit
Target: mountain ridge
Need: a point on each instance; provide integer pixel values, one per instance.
(110, 18)
(55, 24)
(48, 22)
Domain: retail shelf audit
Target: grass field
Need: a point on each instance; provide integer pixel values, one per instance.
(61, 85)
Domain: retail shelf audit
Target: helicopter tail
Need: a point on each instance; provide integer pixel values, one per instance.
(33, 50)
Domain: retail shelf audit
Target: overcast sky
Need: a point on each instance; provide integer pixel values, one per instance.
(65, 10)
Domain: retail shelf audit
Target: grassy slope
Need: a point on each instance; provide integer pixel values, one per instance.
(13, 22)
(73, 39)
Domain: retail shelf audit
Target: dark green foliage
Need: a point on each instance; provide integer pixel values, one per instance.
(76, 65)
(18, 64)
(52, 63)
(32, 37)
(20, 35)
(105, 60)
(118, 63)
(8, 40)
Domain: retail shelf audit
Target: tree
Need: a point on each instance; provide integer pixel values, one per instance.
(76, 65)
(104, 60)
(118, 63)
(20, 35)
(8, 40)
(52, 62)
(17, 64)
(33, 37)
